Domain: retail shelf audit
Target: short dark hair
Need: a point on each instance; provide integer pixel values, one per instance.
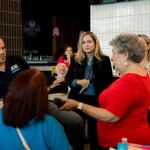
(26, 98)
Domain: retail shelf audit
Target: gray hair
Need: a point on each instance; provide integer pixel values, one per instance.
(60, 64)
(129, 43)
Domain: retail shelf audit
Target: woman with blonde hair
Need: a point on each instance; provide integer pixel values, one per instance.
(146, 61)
(89, 74)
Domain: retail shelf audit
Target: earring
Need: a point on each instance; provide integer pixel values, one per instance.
(126, 64)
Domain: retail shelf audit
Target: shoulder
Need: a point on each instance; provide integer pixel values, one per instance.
(51, 124)
(14, 57)
(16, 61)
(105, 58)
(73, 58)
(61, 57)
(50, 119)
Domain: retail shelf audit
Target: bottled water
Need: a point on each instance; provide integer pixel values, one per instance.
(123, 145)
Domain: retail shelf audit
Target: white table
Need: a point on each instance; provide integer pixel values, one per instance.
(57, 95)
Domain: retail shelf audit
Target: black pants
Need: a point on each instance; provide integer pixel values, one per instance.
(91, 122)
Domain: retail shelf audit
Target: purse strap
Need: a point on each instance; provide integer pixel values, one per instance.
(24, 143)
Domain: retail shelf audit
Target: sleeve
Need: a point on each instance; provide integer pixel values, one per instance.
(70, 74)
(107, 72)
(23, 64)
(74, 83)
(103, 75)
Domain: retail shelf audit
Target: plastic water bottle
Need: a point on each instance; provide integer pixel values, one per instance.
(123, 145)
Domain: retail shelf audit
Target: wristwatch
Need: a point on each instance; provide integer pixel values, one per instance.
(80, 106)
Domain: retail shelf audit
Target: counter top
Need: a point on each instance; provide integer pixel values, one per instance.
(42, 68)
(42, 63)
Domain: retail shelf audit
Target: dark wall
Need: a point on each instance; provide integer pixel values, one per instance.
(72, 16)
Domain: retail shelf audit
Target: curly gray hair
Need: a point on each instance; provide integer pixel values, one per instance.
(129, 43)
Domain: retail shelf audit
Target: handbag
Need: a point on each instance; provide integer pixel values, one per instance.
(24, 143)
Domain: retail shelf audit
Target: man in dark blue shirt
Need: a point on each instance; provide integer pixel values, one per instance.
(10, 66)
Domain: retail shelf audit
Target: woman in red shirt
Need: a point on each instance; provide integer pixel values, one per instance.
(125, 103)
(66, 57)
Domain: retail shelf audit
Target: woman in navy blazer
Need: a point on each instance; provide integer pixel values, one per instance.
(89, 74)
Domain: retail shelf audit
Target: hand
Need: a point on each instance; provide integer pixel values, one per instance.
(68, 57)
(59, 80)
(70, 104)
(53, 85)
(83, 82)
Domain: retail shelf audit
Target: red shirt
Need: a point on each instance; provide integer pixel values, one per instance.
(129, 99)
(61, 60)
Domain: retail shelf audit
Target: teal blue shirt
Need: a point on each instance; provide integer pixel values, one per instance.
(40, 135)
(87, 75)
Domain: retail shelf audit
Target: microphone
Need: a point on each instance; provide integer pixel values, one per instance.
(82, 90)
(90, 80)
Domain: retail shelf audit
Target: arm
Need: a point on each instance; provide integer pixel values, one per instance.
(74, 77)
(95, 112)
(22, 62)
(53, 85)
(70, 73)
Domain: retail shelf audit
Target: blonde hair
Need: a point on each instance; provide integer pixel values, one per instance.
(147, 40)
(80, 55)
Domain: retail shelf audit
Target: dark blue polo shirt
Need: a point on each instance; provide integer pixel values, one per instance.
(14, 65)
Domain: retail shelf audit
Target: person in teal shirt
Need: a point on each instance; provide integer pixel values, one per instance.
(26, 108)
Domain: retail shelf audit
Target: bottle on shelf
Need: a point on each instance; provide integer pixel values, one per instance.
(123, 145)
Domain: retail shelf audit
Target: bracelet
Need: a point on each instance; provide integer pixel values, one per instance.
(80, 106)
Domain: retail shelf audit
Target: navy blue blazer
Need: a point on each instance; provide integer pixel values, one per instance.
(102, 72)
